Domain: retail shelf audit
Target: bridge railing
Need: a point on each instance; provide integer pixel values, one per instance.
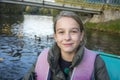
(54, 5)
(96, 4)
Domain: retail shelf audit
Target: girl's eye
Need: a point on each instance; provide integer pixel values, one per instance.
(60, 32)
(74, 31)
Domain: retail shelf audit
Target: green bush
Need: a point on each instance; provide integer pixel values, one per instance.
(110, 26)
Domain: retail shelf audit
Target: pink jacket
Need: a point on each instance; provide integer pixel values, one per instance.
(81, 72)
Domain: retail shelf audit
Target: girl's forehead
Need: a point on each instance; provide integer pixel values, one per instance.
(66, 18)
(67, 22)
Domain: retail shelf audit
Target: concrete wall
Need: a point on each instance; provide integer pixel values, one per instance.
(107, 15)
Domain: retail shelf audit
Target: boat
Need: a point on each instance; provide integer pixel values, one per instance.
(112, 63)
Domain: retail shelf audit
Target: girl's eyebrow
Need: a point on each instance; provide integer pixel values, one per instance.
(76, 29)
(72, 29)
(59, 29)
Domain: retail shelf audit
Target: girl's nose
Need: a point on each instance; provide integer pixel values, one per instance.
(67, 36)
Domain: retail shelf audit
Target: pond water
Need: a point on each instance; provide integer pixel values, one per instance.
(103, 41)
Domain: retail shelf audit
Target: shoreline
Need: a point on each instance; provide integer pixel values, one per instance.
(112, 26)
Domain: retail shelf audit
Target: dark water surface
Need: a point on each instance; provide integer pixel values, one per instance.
(103, 41)
(18, 55)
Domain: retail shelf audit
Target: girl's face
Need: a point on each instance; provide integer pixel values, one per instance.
(68, 35)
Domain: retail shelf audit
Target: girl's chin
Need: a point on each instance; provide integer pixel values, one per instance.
(68, 50)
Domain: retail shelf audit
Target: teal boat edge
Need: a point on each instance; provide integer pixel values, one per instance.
(112, 63)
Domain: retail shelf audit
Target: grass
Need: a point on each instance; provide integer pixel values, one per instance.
(110, 26)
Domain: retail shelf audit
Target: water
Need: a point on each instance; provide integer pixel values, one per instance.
(37, 25)
(19, 51)
(103, 41)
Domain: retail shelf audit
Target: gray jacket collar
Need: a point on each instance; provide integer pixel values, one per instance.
(54, 55)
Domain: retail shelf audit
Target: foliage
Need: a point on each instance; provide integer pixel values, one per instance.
(10, 9)
(111, 26)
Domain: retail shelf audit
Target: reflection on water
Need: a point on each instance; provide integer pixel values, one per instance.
(103, 41)
(7, 21)
(19, 50)
(37, 25)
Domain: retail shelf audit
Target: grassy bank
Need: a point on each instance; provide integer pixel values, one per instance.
(110, 26)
